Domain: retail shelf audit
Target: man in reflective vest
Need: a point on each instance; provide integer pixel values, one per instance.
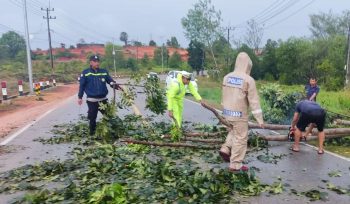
(176, 94)
(93, 82)
(238, 94)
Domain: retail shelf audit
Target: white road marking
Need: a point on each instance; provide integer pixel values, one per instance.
(331, 153)
(14, 135)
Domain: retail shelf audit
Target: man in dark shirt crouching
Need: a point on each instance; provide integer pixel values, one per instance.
(308, 112)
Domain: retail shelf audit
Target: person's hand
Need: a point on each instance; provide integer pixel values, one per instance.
(170, 113)
(80, 101)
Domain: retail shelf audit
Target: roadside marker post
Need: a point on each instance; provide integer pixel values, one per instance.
(20, 87)
(4, 90)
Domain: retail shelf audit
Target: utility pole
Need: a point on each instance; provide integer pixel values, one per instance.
(29, 58)
(228, 42)
(347, 76)
(48, 17)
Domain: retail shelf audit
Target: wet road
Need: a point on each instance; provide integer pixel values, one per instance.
(301, 171)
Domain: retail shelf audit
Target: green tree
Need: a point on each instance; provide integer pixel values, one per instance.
(145, 60)
(269, 63)
(14, 42)
(328, 24)
(175, 60)
(196, 55)
(137, 43)
(159, 58)
(108, 59)
(295, 60)
(152, 43)
(256, 71)
(173, 42)
(131, 63)
(202, 24)
(124, 38)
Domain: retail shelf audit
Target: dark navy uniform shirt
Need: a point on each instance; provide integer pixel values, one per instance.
(93, 83)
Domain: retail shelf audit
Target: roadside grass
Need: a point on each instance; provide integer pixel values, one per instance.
(341, 150)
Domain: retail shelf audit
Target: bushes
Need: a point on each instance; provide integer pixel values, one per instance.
(278, 106)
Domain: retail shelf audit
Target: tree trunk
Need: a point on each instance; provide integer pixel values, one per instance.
(165, 144)
(342, 122)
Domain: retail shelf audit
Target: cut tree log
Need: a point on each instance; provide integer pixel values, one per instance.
(169, 144)
(204, 134)
(342, 122)
(193, 139)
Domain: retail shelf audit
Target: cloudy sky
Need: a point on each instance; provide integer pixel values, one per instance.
(103, 20)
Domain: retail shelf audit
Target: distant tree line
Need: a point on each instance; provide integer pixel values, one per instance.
(291, 61)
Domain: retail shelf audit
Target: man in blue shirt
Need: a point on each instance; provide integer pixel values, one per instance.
(308, 112)
(312, 89)
(93, 82)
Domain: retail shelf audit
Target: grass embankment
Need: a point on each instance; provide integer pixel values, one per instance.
(338, 102)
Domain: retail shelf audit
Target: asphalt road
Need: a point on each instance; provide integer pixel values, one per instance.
(301, 171)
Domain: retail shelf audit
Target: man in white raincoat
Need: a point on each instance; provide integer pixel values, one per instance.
(238, 94)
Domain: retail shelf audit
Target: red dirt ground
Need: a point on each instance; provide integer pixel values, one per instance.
(19, 111)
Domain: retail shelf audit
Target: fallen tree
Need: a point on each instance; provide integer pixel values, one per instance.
(167, 144)
(225, 122)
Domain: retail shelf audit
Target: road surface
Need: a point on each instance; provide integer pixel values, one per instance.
(301, 171)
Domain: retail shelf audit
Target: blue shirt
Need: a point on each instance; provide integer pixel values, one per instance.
(311, 90)
(93, 83)
(309, 107)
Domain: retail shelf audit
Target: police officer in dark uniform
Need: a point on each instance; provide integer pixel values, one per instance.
(308, 112)
(93, 82)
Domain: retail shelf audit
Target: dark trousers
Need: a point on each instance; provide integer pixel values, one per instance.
(93, 108)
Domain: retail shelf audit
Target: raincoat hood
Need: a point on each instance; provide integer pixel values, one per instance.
(243, 63)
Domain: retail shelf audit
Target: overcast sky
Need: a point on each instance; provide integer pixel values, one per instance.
(101, 21)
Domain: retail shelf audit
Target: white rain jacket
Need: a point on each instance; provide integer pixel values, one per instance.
(239, 92)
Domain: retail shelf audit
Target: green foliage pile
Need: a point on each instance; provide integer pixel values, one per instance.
(124, 174)
(278, 106)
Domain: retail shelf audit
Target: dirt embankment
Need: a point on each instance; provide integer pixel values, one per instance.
(19, 111)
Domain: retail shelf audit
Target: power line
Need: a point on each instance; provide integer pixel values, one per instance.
(278, 12)
(292, 14)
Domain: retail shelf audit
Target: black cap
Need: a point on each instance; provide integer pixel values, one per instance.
(94, 58)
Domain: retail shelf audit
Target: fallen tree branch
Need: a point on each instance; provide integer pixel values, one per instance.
(204, 134)
(191, 139)
(221, 118)
(268, 126)
(164, 144)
